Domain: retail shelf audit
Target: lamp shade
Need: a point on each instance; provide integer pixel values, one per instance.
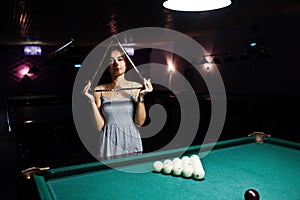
(195, 5)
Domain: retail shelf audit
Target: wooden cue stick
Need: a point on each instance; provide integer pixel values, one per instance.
(101, 62)
(117, 89)
(131, 62)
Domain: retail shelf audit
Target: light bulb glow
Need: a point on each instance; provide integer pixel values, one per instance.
(195, 5)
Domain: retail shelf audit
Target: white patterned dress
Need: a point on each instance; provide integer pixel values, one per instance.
(120, 135)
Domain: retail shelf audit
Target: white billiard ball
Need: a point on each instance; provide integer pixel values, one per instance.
(186, 163)
(185, 158)
(196, 164)
(195, 157)
(198, 173)
(176, 160)
(157, 166)
(167, 168)
(187, 171)
(168, 161)
(177, 170)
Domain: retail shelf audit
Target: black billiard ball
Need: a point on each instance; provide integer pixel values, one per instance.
(251, 194)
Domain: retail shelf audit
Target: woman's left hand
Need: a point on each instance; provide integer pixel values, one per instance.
(147, 87)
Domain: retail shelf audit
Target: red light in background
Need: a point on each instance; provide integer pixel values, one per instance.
(23, 70)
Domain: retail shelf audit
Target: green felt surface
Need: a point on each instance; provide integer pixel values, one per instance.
(274, 171)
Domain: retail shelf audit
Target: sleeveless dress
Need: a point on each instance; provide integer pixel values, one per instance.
(119, 135)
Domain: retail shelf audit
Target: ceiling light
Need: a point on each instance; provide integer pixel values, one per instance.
(203, 61)
(195, 5)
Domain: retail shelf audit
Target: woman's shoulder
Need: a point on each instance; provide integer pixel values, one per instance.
(135, 92)
(102, 86)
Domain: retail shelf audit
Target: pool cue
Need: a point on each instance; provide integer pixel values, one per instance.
(101, 62)
(131, 62)
(137, 71)
(118, 89)
(59, 49)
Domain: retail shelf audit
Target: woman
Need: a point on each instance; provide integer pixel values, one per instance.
(117, 113)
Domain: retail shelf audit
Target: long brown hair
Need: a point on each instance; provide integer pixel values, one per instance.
(106, 77)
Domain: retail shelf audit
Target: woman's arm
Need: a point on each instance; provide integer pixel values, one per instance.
(95, 102)
(140, 112)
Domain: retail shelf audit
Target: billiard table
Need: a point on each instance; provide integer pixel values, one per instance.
(231, 167)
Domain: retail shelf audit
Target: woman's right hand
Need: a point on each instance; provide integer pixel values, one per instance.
(86, 90)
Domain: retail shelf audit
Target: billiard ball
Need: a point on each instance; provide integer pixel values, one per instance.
(195, 157)
(187, 171)
(198, 174)
(251, 194)
(176, 160)
(158, 166)
(167, 168)
(168, 161)
(196, 163)
(177, 169)
(186, 159)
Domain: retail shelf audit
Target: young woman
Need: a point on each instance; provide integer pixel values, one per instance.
(117, 112)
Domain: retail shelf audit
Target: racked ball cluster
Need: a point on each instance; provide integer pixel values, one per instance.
(185, 166)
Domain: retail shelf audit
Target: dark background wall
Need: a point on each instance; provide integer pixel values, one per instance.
(54, 76)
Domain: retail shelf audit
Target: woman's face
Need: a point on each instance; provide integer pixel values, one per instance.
(117, 63)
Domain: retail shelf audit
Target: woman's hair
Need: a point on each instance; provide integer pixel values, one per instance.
(106, 77)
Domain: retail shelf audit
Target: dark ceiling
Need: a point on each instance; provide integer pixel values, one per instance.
(90, 22)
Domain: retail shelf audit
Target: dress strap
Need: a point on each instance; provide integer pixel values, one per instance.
(131, 90)
(131, 93)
